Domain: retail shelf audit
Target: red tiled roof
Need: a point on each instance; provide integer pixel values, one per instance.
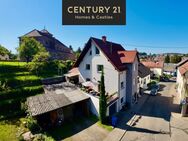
(109, 49)
(183, 61)
(151, 64)
(184, 68)
(73, 72)
(127, 56)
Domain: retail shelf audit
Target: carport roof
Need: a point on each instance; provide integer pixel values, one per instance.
(44, 103)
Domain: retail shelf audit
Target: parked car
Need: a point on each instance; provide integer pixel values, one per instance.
(153, 92)
(156, 86)
(164, 79)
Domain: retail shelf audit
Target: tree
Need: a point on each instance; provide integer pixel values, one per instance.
(4, 51)
(42, 56)
(39, 62)
(175, 59)
(70, 47)
(102, 100)
(78, 52)
(167, 59)
(28, 48)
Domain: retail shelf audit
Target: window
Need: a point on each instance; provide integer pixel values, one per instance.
(87, 66)
(90, 53)
(97, 50)
(144, 80)
(134, 67)
(87, 79)
(122, 85)
(122, 100)
(99, 68)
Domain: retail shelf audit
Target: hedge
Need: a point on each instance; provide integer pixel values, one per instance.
(21, 92)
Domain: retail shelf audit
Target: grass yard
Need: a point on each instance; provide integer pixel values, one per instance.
(20, 83)
(11, 129)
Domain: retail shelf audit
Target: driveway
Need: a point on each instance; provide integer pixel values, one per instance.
(157, 118)
(88, 132)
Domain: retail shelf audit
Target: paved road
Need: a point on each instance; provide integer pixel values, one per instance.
(155, 113)
(157, 119)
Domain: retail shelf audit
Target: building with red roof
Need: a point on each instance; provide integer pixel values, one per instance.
(156, 67)
(182, 78)
(120, 72)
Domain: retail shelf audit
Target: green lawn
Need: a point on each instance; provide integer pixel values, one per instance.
(20, 84)
(11, 129)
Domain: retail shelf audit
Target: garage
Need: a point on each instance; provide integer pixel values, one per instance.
(61, 102)
(113, 109)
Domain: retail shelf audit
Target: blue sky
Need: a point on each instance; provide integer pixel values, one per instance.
(154, 26)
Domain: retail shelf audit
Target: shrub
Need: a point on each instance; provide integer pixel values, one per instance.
(149, 85)
(43, 137)
(32, 124)
(20, 138)
(21, 92)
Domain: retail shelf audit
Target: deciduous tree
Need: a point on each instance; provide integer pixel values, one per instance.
(28, 48)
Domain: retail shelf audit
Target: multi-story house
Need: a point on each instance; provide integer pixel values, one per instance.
(56, 49)
(182, 85)
(120, 71)
(143, 76)
(156, 67)
(182, 72)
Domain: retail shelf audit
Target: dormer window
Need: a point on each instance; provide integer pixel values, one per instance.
(97, 50)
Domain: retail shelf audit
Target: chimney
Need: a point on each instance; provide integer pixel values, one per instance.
(104, 39)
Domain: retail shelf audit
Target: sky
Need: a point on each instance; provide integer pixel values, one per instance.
(153, 26)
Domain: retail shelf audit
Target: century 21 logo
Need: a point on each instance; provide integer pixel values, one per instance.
(93, 9)
(94, 12)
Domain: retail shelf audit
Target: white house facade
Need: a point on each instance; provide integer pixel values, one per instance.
(143, 76)
(100, 55)
(182, 72)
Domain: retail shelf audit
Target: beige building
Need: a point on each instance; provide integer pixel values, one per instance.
(156, 67)
(4, 57)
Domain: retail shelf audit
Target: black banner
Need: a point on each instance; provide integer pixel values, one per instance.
(94, 12)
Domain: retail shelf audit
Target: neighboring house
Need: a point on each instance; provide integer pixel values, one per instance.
(182, 86)
(4, 57)
(183, 61)
(182, 70)
(155, 67)
(56, 49)
(169, 69)
(143, 76)
(120, 72)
